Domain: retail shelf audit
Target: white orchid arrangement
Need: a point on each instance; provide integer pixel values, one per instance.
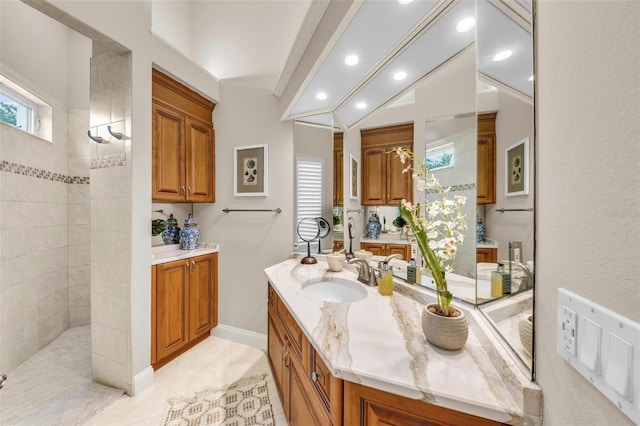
(436, 225)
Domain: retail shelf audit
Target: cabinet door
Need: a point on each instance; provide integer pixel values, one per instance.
(301, 412)
(399, 185)
(486, 255)
(168, 155)
(400, 249)
(338, 177)
(171, 294)
(373, 176)
(277, 353)
(378, 249)
(201, 295)
(486, 187)
(200, 162)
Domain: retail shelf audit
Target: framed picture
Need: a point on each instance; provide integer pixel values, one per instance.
(353, 174)
(251, 170)
(440, 157)
(517, 168)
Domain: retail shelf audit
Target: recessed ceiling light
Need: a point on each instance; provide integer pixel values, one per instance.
(465, 25)
(501, 56)
(361, 105)
(351, 60)
(321, 96)
(400, 75)
(404, 1)
(531, 78)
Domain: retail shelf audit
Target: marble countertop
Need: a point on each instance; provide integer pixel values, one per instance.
(171, 252)
(378, 342)
(487, 243)
(390, 238)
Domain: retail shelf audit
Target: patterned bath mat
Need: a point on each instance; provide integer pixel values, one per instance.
(243, 403)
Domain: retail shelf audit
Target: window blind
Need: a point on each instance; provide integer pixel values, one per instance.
(308, 197)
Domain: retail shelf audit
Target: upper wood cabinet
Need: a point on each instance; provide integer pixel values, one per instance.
(383, 182)
(486, 184)
(183, 143)
(338, 169)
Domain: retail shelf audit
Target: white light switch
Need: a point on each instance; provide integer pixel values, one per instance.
(590, 346)
(618, 372)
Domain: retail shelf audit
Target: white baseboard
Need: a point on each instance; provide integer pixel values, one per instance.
(239, 335)
(142, 380)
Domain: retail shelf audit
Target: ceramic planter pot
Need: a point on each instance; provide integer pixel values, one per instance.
(525, 329)
(448, 333)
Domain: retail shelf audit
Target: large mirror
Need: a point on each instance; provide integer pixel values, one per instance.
(481, 112)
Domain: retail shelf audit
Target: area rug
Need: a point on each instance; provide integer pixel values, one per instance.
(243, 403)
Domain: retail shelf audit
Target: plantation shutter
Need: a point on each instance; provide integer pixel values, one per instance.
(308, 196)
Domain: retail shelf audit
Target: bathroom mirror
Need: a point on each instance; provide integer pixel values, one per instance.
(462, 90)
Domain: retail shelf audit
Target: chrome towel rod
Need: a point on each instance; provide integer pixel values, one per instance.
(355, 211)
(278, 210)
(514, 210)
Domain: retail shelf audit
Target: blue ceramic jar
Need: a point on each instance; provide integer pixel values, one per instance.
(373, 227)
(171, 235)
(190, 234)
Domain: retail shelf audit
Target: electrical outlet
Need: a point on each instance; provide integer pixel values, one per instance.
(568, 329)
(515, 251)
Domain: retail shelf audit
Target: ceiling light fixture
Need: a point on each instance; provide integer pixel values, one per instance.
(351, 60)
(465, 25)
(400, 75)
(321, 96)
(404, 1)
(361, 105)
(501, 56)
(531, 78)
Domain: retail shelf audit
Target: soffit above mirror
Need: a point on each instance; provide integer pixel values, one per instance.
(398, 43)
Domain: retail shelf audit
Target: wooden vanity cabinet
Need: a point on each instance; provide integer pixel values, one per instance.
(184, 300)
(383, 182)
(486, 255)
(365, 406)
(338, 169)
(382, 249)
(486, 183)
(183, 142)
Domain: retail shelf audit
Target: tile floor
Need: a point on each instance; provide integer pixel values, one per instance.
(44, 390)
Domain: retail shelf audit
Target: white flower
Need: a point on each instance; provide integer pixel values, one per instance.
(421, 184)
(432, 235)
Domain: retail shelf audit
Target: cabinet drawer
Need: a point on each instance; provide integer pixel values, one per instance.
(329, 389)
(293, 331)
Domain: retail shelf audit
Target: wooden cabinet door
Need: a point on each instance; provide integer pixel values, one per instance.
(403, 250)
(201, 297)
(378, 249)
(168, 155)
(486, 255)
(486, 186)
(200, 162)
(277, 351)
(399, 185)
(301, 412)
(374, 185)
(338, 177)
(171, 295)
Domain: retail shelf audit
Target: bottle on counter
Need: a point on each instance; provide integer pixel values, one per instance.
(414, 274)
(385, 286)
(500, 282)
(190, 234)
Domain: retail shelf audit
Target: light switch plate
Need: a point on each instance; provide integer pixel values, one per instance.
(606, 349)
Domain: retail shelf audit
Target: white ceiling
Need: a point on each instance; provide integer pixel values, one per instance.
(238, 39)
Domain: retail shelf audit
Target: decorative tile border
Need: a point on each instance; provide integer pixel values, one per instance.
(21, 169)
(112, 160)
(454, 188)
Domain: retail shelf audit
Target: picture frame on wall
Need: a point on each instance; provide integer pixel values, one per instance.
(354, 183)
(517, 168)
(251, 170)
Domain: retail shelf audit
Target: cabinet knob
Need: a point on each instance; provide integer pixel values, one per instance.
(193, 266)
(182, 191)
(315, 376)
(189, 189)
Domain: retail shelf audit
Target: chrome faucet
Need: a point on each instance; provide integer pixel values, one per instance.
(366, 274)
(526, 282)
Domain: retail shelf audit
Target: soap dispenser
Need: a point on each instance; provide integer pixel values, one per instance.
(500, 282)
(414, 274)
(385, 286)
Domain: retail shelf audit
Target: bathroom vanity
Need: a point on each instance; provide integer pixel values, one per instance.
(367, 361)
(184, 299)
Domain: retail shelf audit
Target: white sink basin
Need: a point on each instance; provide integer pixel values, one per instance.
(335, 291)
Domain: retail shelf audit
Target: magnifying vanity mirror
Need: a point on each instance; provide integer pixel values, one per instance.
(472, 117)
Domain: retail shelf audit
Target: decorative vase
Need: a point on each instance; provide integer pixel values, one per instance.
(480, 229)
(373, 227)
(525, 329)
(448, 333)
(190, 234)
(171, 235)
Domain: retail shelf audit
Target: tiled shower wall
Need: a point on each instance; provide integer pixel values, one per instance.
(34, 297)
(111, 220)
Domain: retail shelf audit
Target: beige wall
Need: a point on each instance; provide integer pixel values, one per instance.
(588, 202)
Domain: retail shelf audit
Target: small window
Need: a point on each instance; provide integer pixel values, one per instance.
(17, 110)
(308, 192)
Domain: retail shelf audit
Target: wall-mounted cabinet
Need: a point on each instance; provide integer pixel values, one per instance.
(184, 300)
(486, 179)
(383, 182)
(486, 255)
(183, 143)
